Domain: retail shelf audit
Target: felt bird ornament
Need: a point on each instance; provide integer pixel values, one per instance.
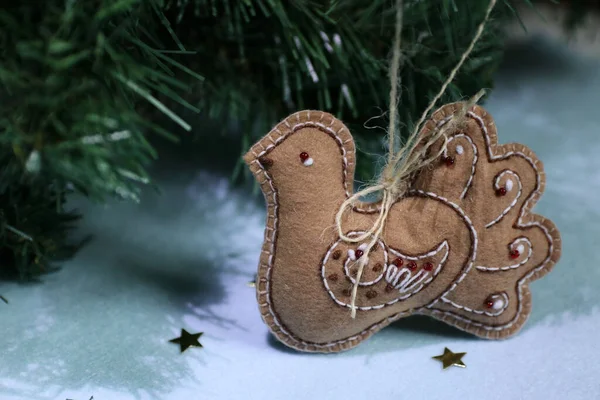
(460, 246)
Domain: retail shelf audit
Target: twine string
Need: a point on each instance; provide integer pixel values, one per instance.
(403, 164)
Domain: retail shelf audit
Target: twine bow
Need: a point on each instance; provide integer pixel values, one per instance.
(402, 165)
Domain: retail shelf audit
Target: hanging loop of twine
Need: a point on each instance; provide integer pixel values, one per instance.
(403, 164)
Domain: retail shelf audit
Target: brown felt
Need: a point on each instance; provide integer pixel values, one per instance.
(303, 287)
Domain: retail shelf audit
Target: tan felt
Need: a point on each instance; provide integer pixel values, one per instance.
(462, 247)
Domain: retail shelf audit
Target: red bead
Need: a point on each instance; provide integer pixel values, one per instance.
(359, 253)
(428, 266)
(266, 162)
(304, 156)
(412, 265)
(449, 161)
(514, 254)
(501, 192)
(398, 262)
(489, 303)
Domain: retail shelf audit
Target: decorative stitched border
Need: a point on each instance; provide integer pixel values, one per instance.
(515, 200)
(339, 132)
(423, 283)
(475, 156)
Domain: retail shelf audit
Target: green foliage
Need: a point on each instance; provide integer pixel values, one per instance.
(42, 224)
(577, 11)
(267, 59)
(77, 79)
(71, 73)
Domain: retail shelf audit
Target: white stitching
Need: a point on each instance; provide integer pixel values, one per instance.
(347, 273)
(347, 186)
(301, 125)
(474, 238)
(443, 245)
(524, 209)
(422, 256)
(361, 283)
(489, 314)
(410, 283)
(394, 317)
(516, 199)
(509, 267)
(475, 156)
(269, 266)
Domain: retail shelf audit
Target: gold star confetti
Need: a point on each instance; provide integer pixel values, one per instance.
(449, 359)
(187, 340)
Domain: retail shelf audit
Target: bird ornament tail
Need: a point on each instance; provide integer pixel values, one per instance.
(461, 246)
(496, 187)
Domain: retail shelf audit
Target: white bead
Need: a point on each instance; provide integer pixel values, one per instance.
(351, 254)
(308, 162)
(362, 247)
(509, 185)
(498, 303)
(459, 149)
(520, 249)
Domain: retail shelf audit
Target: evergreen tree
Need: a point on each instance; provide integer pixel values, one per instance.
(77, 79)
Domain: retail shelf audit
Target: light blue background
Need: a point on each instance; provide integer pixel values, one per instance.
(100, 326)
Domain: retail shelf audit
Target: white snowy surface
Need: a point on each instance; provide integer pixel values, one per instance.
(183, 259)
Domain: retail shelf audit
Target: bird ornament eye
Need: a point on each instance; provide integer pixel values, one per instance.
(306, 159)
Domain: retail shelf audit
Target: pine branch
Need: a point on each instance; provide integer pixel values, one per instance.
(270, 58)
(77, 79)
(71, 76)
